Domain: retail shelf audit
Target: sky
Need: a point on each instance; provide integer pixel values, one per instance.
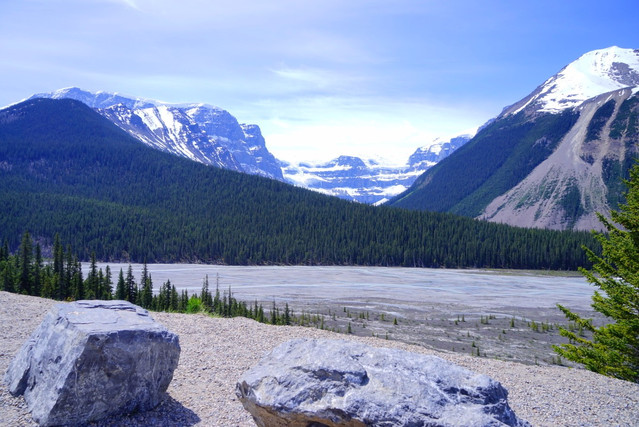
(370, 78)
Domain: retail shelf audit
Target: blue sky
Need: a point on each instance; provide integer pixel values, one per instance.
(321, 78)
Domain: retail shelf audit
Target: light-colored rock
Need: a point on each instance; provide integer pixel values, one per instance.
(92, 359)
(344, 383)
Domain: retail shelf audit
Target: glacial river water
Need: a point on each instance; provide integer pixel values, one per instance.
(409, 287)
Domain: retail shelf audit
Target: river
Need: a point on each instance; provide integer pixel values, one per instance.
(412, 286)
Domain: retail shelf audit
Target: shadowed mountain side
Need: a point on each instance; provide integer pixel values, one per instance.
(67, 170)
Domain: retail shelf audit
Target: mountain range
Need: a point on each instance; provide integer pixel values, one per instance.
(551, 160)
(368, 181)
(67, 170)
(213, 136)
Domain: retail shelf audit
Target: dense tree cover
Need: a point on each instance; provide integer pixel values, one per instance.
(614, 348)
(60, 278)
(493, 162)
(624, 131)
(599, 120)
(65, 169)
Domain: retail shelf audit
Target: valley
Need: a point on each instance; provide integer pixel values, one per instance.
(508, 315)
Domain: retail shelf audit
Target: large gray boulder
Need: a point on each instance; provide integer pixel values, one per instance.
(345, 383)
(92, 359)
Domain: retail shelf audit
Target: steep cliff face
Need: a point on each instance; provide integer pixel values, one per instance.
(200, 132)
(583, 175)
(553, 159)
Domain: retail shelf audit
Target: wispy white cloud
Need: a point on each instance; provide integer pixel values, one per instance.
(320, 77)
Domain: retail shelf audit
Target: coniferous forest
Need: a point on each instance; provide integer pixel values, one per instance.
(27, 272)
(66, 170)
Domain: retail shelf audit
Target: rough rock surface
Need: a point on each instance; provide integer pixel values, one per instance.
(344, 383)
(92, 359)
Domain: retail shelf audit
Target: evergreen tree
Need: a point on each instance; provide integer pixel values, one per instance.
(217, 303)
(100, 289)
(76, 283)
(130, 286)
(4, 252)
(92, 283)
(107, 288)
(287, 315)
(120, 289)
(48, 285)
(8, 276)
(174, 299)
(205, 296)
(184, 301)
(614, 348)
(58, 256)
(37, 271)
(146, 295)
(25, 260)
(274, 315)
(66, 279)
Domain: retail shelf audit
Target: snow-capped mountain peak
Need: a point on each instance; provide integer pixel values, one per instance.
(200, 132)
(592, 74)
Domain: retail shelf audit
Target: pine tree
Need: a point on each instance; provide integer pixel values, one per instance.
(7, 276)
(92, 283)
(287, 315)
(130, 286)
(4, 252)
(146, 296)
(25, 260)
(37, 271)
(184, 301)
(107, 288)
(274, 315)
(207, 299)
(76, 283)
(65, 288)
(120, 289)
(614, 348)
(174, 299)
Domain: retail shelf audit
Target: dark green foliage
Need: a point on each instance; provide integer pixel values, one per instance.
(614, 169)
(627, 120)
(130, 286)
(74, 173)
(44, 280)
(614, 348)
(146, 294)
(493, 162)
(599, 120)
(25, 263)
(205, 295)
(571, 203)
(120, 289)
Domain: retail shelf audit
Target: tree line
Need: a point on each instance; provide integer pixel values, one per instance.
(27, 272)
(67, 170)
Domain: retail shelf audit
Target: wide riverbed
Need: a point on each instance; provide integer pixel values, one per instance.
(413, 286)
(505, 314)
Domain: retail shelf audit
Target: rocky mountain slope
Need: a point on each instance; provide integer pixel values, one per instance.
(212, 136)
(199, 132)
(551, 160)
(368, 181)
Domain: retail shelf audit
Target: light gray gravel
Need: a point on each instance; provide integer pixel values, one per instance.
(215, 352)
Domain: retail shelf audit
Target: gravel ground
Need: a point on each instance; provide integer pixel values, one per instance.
(215, 352)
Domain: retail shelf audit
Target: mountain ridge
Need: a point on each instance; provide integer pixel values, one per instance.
(213, 136)
(575, 165)
(68, 170)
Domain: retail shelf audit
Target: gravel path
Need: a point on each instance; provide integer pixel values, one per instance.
(215, 352)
